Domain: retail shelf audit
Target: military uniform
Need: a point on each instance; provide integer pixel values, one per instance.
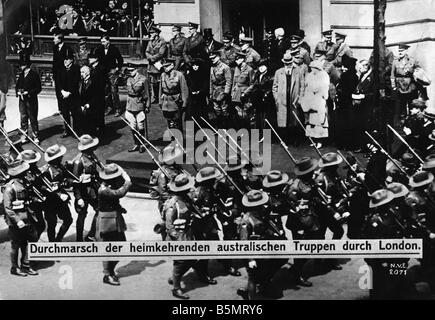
(174, 94)
(37, 205)
(228, 55)
(155, 52)
(195, 48)
(177, 50)
(252, 57)
(340, 50)
(243, 79)
(220, 88)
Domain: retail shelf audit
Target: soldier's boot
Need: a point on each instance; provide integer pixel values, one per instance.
(136, 145)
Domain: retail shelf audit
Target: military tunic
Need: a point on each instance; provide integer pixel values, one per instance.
(138, 101)
(228, 55)
(252, 58)
(195, 48)
(220, 88)
(177, 50)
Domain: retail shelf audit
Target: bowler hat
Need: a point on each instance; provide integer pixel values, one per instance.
(301, 33)
(86, 142)
(207, 173)
(235, 163)
(17, 167)
(54, 152)
(330, 159)
(110, 171)
(182, 182)
(421, 179)
(228, 36)
(348, 62)
(275, 178)
(306, 165)
(29, 156)
(255, 198)
(429, 162)
(170, 153)
(398, 189)
(380, 197)
(287, 58)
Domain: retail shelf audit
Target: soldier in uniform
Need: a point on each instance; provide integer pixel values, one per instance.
(252, 56)
(295, 44)
(326, 44)
(114, 186)
(414, 126)
(256, 225)
(57, 197)
(21, 224)
(33, 182)
(195, 46)
(229, 51)
(243, 79)
(174, 94)
(177, 47)
(210, 43)
(340, 49)
(220, 89)
(155, 52)
(402, 81)
(138, 104)
(82, 56)
(179, 215)
(85, 167)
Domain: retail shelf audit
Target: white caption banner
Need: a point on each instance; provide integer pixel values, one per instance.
(100, 251)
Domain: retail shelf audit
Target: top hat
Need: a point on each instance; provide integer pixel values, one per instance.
(193, 25)
(327, 33)
(432, 135)
(110, 171)
(234, 163)
(306, 165)
(287, 58)
(301, 33)
(208, 33)
(182, 182)
(29, 156)
(176, 27)
(429, 162)
(421, 179)
(275, 178)
(398, 189)
(418, 103)
(86, 142)
(330, 159)
(207, 173)
(255, 198)
(170, 153)
(316, 64)
(340, 35)
(54, 152)
(403, 46)
(17, 167)
(380, 197)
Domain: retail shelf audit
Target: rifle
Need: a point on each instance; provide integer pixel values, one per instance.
(305, 131)
(8, 140)
(209, 139)
(382, 185)
(181, 147)
(386, 153)
(353, 171)
(153, 158)
(285, 147)
(69, 127)
(226, 175)
(139, 136)
(405, 143)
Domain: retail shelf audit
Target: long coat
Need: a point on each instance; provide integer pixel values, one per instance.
(285, 117)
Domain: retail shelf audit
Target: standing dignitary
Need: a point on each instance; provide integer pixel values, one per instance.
(195, 47)
(288, 88)
(27, 89)
(303, 43)
(18, 218)
(68, 84)
(326, 44)
(295, 44)
(138, 104)
(111, 225)
(283, 43)
(112, 62)
(220, 89)
(155, 52)
(88, 102)
(98, 77)
(340, 49)
(174, 94)
(60, 50)
(197, 78)
(270, 51)
(229, 51)
(210, 43)
(177, 46)
(252, 56)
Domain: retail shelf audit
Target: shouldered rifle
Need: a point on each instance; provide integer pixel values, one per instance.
(305, 131)
(140, 136)
(353, 171)
(285, 147)
(153, 158)
(405, 143)
(386, 153)
(382, 185)
(69, 127)
(182, 148)
(8, 140)
(209, 139)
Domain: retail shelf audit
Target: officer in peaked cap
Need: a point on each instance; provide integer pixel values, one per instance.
(177, 46)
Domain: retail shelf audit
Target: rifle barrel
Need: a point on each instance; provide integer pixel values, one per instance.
(405, 143)
(69, 127)
(282, 142)
(305, 131)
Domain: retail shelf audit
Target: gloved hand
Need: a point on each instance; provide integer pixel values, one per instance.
(252, 264)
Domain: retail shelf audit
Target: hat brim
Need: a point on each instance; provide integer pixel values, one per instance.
(186, 187)
(310, 169)
(62, 152)
(414, 184)
(38, 157)
(170, 159)
(401, 194)
(284, 179)
(94, 143)
(104, 176)
(385, 201)
(429, 165)
(250, 204)
(200, 178)
(242, 164)
(17, 171)
(286, 61)
(330, 164)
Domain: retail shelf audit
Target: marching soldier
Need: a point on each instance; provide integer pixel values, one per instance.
(252, 57)
(177, 47)
(179, 213)
(85, 167)
(220, 89)
(114, 186)
(174, 94)
(34, 182)
(16, 200)
(155, 52)
(57, 197)
(138, 104)
(256, 225)
(243, 79)
(195, 46)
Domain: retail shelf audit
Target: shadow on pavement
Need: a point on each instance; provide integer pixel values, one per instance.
(136, 267)
(111, 131)
(4, 237)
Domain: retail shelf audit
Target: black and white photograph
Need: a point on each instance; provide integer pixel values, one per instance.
(223, 150)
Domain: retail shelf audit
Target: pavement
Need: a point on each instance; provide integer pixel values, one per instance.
(145, 279)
